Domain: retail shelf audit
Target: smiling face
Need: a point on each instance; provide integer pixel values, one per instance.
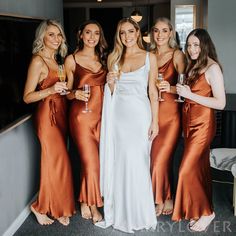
(128, 34)
(193, 47)
(90, 35)
(161, 33)
(52, 38)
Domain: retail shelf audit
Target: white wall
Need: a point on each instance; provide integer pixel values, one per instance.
(19, 171)
(221, 26)
(33, 8)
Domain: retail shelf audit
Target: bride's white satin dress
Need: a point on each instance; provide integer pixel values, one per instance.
(125, 154)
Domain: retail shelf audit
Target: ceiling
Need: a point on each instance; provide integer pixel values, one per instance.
(119, 3)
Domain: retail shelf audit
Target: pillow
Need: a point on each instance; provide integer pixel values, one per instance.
(224, 159)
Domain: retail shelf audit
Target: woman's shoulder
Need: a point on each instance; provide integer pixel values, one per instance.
(69, 58)
(70, 63)
(152, 56)
(211, 66)
(177, 54)
(212, 70)
(37, 61)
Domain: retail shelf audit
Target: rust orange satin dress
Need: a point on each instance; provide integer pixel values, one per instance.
(85, 131)
(56, 196)
(164, 144)
(194, 194)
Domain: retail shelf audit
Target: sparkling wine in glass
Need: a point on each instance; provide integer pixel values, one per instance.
(62, 78)
(181, 80)
(86, 89)
(159, 80)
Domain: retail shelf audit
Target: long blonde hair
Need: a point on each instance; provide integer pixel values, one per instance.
(172, 41)
(38, 43)
(117, 55)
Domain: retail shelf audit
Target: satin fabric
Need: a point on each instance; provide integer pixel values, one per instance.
(164, 144)
(56, 196)
(85, 131)
(125, 154)
(194, 189)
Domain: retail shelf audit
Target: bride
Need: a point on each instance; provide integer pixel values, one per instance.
(129, 124)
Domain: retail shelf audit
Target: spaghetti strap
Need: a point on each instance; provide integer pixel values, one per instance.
(43, 61)
(147, 61)
(206, 69)
(74, 58)
(214, 63)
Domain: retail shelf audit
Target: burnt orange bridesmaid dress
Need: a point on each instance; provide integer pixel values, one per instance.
(164, 144)
(194, 194)
(56, 196)
(85, 131)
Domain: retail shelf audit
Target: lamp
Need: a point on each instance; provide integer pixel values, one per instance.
(136, 14)
(146, 35)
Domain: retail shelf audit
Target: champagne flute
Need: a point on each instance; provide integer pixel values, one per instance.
(62, 78)
(159, 80)
(181, 80)
(86, 89)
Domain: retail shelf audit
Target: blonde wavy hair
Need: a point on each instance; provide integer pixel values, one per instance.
(38, 43)
(172, 41)
(117, 55)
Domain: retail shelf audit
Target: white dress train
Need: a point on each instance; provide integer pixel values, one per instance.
(125, 154)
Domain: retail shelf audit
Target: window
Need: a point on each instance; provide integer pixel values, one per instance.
(185, 21)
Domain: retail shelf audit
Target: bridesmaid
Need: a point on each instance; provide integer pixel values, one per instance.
(87, 65)
(204, 93)
(56, 197)
(170, 62)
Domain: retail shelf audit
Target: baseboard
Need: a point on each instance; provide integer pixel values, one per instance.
(19, 220)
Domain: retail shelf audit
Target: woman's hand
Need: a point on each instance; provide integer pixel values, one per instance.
(183, 90)
(153, 131)
(164, 86)
(81, 95)
(111, 80)
(58, 87)
(111, 77)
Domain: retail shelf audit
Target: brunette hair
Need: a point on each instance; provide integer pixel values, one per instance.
(207, 50)
(101, 47)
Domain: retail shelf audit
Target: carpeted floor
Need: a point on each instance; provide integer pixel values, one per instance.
(223, 224)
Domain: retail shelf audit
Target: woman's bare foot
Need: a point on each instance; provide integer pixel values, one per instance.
(85, 211)
(42, 219)
(168, 207)
(159, 209)
(202, 223)
(64, 220)
(96, 215)
(192, 222)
